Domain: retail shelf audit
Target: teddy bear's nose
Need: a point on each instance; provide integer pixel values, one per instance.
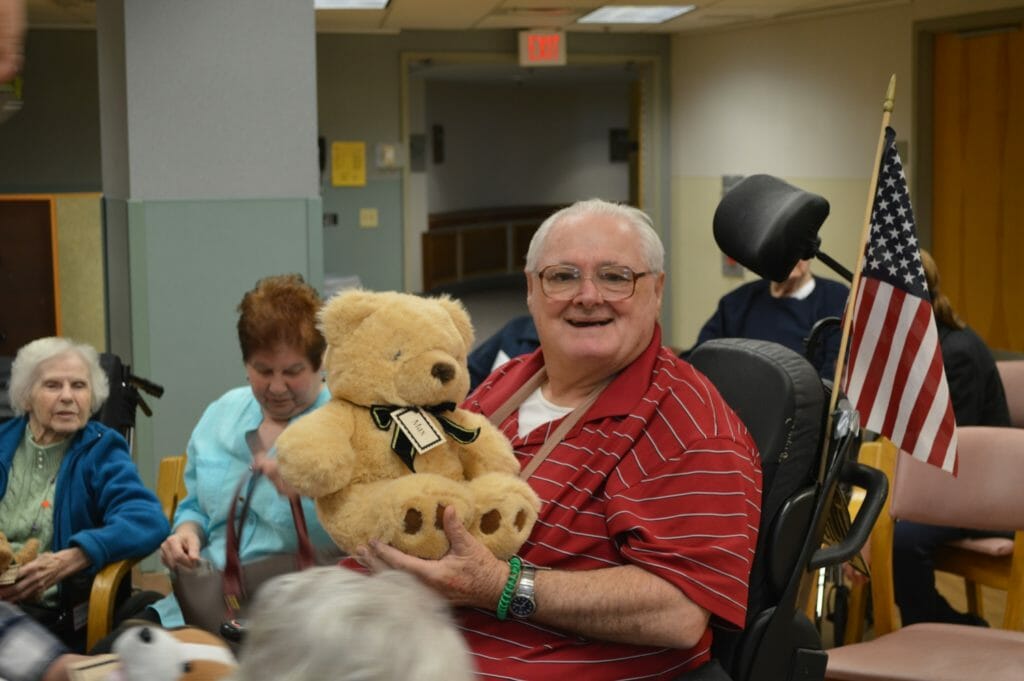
(443, 372)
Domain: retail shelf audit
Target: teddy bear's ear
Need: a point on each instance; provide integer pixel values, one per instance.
(457, 311)
(346, 310)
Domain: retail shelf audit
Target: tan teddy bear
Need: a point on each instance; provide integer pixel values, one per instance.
(390, 450)
(10, 560)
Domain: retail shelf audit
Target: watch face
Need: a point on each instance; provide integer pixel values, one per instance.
(522, 607)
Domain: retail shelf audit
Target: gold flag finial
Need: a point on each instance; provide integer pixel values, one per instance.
(890, 94)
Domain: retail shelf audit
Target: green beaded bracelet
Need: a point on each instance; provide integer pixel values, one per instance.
(515, 565)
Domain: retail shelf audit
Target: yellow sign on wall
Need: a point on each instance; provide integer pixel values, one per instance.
(348, 164)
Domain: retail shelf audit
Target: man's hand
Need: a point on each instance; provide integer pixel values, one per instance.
(12, 33)
(468, 574)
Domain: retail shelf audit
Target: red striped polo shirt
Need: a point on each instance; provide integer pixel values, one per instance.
(660, 473)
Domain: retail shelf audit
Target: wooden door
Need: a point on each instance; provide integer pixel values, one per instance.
(978, 192)
(28, 303)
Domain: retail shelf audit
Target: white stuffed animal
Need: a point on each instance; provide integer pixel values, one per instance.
(185, 654)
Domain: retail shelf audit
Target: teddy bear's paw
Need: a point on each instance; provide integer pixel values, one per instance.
(492, 521)
(507, 510)
(420, 523)
(414, 520)
(28, 551)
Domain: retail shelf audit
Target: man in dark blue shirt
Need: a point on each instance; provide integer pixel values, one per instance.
(783, 312)
(517, 337)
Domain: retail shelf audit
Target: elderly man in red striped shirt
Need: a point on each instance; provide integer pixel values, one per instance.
(651, 485)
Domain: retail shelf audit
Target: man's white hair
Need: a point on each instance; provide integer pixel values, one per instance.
(25, 370)
(650, 243)
(334, 623)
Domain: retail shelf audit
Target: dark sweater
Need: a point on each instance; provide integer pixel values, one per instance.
(750, 311)
(974, 384)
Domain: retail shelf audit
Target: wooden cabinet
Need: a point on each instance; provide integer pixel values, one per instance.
(29, 299)
(52, 274)
(464, 245)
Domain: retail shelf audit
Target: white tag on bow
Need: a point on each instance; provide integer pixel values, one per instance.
(417, 427)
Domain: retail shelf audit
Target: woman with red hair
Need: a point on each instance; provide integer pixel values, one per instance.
(282, 350)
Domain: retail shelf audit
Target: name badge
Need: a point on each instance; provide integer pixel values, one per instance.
(418, 428)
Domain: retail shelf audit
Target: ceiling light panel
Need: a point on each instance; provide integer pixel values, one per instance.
(350, 4)
(632, 14)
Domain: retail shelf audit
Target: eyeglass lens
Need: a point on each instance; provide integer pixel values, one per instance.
(563, 282)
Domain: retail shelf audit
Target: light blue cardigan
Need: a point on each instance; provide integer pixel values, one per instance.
(218, 458)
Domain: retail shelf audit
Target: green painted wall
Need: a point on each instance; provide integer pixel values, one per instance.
(191, 261)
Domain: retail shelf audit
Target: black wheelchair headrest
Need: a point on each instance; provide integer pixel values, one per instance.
(768, 225)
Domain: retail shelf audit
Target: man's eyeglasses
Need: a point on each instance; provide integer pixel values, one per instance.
(563, 282)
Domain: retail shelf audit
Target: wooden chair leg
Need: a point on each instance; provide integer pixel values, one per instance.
(1013, 618)
(809, 586)
(975, 598)
(856, 614)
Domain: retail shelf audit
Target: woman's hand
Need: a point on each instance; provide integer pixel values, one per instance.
(468, 574)
(267, 465)
(181, 548)
(48, 569)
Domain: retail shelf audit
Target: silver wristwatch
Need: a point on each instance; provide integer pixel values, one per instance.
(523, 603)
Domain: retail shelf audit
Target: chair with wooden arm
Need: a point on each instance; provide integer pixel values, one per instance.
(109, 584)
(985, 495)
(995, 562)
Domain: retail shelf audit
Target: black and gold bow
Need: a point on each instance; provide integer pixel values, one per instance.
(400, 442)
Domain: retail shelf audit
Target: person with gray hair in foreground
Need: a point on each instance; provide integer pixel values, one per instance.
(332, 623)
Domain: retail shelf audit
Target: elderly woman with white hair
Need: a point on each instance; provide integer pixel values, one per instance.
(68, 482)
(333, 623)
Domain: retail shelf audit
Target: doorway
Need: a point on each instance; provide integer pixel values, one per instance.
(521, 108)
(973, 87)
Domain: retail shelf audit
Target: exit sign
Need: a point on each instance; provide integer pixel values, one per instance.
(541, 48)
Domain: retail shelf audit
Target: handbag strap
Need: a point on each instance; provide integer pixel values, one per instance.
(568, 421)
(233, 587)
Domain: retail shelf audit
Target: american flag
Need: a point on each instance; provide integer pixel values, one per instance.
(894, 375)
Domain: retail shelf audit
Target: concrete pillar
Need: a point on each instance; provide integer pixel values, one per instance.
(210, 181)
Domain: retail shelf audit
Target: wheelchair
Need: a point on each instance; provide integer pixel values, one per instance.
(808, 453)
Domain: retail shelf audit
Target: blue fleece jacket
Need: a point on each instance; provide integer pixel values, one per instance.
(100, 503)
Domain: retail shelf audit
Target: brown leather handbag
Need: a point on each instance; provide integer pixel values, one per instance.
(210, 598)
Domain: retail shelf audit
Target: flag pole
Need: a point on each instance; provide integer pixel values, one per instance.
(838, 519)
(887, 106)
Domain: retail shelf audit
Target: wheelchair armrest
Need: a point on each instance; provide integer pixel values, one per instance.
(876, 487)
(102, 599)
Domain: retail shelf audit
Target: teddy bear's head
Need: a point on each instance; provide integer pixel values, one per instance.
(396, 348)
(185, 654)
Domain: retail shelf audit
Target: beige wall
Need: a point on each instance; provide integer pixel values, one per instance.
(778, 100)
(798, 99)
